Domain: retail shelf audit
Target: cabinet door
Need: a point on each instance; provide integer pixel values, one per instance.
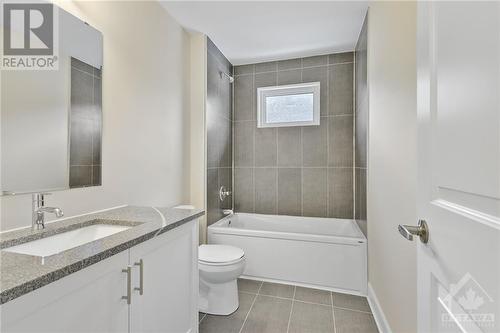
(86, 301)
(169, 302)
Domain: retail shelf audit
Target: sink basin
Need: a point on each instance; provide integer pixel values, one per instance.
(67, 240)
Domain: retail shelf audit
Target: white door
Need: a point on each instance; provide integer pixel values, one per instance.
(458, 159)
(169, 301)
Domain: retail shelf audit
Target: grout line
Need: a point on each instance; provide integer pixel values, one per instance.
(354, 310)
(322, 116)
(296, 68)
(232, 139)
(306, 302)
(289, 167)
(251, 307)
(254, 134)
(202, 317)
(277, 172)
(301, 171)
(293, 299)
(291, 309)
(354, 143)
(333, 314)
(84, 72)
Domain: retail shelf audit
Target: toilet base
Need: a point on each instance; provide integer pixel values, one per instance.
(218, 298)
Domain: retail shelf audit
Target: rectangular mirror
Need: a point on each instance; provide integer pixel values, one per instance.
(51, 119)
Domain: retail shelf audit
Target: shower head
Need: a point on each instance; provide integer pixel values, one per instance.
(229, 76)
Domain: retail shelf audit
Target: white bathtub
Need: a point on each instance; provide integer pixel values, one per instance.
(312, 252)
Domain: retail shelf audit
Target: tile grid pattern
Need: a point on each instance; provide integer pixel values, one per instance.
(296, 170)
(361, 128)
(271, 307)
(219, 132)
(86, 125)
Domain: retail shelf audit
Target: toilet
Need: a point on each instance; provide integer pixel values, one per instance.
(219, 267)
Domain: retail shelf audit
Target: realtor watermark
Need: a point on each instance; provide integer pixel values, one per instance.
(467, 305)
(30, 36)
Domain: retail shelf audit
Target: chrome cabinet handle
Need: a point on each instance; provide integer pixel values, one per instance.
(128, 271)
(141, 276)
(421, 230)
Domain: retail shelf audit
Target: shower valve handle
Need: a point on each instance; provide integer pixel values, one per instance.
(223, 193)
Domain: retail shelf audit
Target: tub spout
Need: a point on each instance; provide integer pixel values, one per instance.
(227, 212)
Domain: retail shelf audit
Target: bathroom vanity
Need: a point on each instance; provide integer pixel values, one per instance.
(131, 269)
(142, 278)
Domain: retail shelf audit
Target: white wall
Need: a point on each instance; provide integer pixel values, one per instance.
(392, 159)
(146, 113)
(198, 125)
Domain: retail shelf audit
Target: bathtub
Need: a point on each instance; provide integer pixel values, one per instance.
(321, 253)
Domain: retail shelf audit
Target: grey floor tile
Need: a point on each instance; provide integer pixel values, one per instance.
(351, 302)
(313, 295)
(201, 315)
(231, 323)
(268, 315)
(347, 321)
(249, 286)
(311, 318)
(277, 289)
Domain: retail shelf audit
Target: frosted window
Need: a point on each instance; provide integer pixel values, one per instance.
(288, 105)
(289, 108)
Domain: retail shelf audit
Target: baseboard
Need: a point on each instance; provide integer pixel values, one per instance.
(306, 285)
(378, 313)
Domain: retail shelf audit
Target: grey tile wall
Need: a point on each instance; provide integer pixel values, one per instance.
(86, 125)
(220, 130)
(361, 128)
(296, 170)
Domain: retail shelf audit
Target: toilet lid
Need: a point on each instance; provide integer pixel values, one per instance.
(219, 253)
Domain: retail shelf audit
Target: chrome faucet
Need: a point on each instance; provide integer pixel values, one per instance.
(39, 210)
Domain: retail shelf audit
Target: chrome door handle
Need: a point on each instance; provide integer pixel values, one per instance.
(128, 271)
(141, 276)
(421, 230)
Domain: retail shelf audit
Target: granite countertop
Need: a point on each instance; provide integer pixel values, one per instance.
(22, 273)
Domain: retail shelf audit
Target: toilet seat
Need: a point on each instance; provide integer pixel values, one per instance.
(219, 255)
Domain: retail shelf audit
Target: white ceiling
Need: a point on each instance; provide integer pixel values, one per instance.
(249, 32)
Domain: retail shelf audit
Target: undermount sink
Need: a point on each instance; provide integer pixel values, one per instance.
(67, 240)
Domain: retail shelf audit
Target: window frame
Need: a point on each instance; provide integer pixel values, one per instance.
(289, 89)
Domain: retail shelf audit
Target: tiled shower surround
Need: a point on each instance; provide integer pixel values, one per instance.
(361, 128)
(219, 132)
(306, 170)
(86, 125)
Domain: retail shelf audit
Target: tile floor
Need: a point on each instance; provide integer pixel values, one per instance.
(275, 308)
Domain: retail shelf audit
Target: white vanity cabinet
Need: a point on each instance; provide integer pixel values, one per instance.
(91, 300)
(169, 301)
(85, 301)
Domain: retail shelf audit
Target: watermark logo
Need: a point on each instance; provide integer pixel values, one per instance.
(468, 305)
(29, 36)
